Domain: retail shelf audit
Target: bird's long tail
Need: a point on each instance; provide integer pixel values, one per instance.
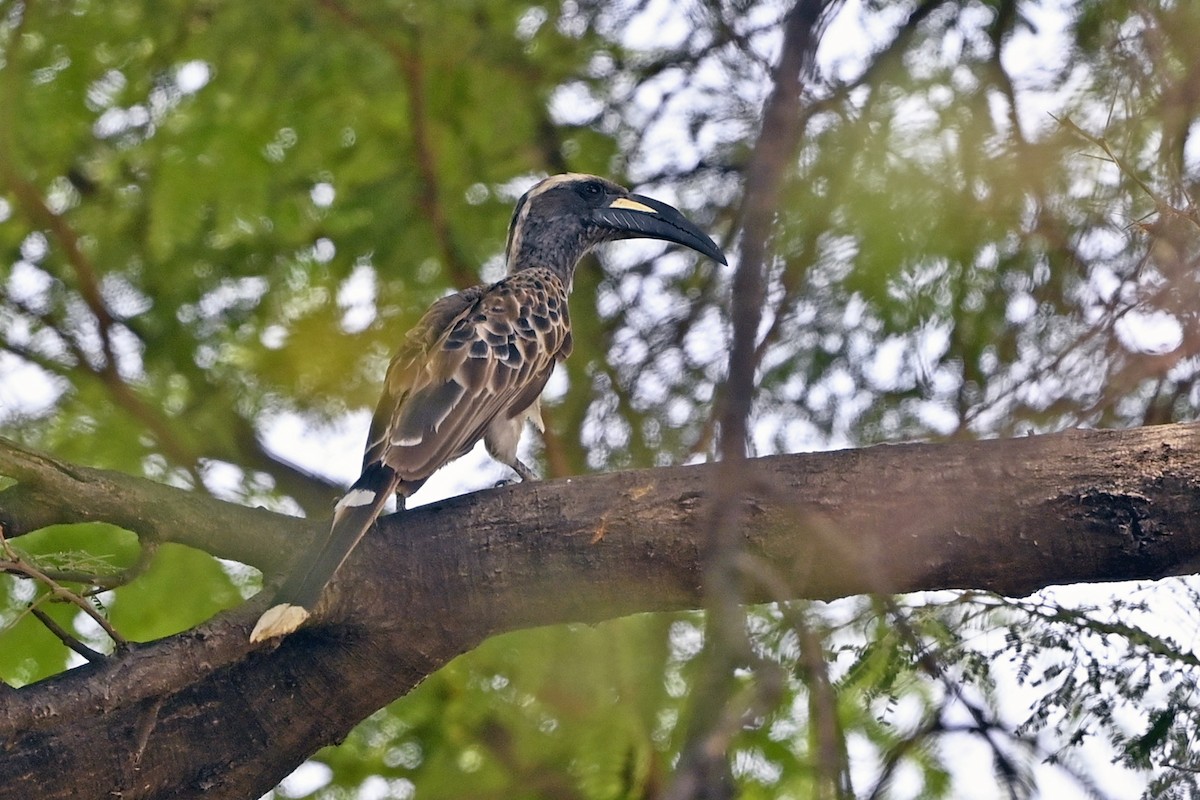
(352, 517)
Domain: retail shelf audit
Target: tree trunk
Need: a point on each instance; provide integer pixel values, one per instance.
(205, 714)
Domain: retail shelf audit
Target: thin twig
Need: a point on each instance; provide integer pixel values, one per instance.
(103, 582)
(65, 637)
(15, 564)
(1161, 205)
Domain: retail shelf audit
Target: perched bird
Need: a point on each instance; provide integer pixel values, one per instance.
(476, 363)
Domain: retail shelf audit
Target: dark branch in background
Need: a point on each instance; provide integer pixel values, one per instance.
(407, 60)
(719, 708)
(29, 200)
(883, 62)
(311, 492)
(109, 377)
(792, 278)
(825, 733)
(875, 74)
(411, 67)
(30, 203)
(1007, 18)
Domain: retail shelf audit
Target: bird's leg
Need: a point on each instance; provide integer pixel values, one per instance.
(523, 472)
(522, 469)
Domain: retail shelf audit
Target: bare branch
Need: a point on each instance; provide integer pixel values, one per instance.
(49, 491)
(1081, 505)
(64, 637)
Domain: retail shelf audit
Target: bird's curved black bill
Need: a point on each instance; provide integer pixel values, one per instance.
(637, 216)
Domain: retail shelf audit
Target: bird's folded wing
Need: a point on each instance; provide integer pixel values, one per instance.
(474, 356)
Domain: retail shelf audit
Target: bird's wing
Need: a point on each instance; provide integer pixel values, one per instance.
(473, 356)
(406, 367)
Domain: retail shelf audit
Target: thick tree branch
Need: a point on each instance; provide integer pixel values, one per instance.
(49, 492)
(228, 720)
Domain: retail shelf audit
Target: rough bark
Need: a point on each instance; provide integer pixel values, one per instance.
(205, 714)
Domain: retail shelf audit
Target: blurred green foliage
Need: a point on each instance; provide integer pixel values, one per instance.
(214, 215)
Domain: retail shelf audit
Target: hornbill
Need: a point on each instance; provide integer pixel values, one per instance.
(476, 363)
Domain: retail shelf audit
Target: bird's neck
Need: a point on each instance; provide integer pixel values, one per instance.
(560, 265)
(549, 249)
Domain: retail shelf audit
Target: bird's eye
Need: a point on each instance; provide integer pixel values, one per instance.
(592, 189)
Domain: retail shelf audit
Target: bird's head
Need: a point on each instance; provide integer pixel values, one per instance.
(562, 217)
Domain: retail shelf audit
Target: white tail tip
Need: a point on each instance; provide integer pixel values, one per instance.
(355, 498)
(278, 620)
